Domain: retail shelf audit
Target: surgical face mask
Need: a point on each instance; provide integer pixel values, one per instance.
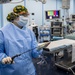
(22, 21)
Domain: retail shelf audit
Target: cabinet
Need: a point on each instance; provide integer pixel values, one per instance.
(56, 29)
(44, 33)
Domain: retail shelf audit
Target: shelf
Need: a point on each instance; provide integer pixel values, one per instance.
(44, 30)
(57, 34)
(56, 27)
(44, 34)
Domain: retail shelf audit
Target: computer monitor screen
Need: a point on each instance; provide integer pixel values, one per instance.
(52, 14)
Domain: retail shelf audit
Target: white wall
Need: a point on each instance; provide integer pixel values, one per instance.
(74, 6)
(1, 16)
(71, 10)
(59, 7)
(35, 7)
(7, 8)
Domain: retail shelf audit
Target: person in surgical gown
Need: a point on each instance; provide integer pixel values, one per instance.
(16, 38)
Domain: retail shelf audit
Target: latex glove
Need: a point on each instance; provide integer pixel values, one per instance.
(40, 52)
(36, 53)
(6, 60)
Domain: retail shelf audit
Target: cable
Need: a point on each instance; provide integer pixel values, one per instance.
(38, 48)
(72, 71)
(16, 2)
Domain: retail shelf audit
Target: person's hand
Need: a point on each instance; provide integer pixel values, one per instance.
(7, 60)
(37, 53)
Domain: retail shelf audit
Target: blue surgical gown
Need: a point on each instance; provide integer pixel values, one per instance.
(14, 40)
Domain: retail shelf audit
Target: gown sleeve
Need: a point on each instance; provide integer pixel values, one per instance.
(35, 53)
(2, 54)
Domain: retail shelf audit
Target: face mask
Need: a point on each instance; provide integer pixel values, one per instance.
(22, 21)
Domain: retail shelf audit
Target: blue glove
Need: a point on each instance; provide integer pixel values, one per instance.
(36, 53)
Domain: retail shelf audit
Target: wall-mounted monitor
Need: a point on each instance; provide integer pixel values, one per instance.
(52, 14)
